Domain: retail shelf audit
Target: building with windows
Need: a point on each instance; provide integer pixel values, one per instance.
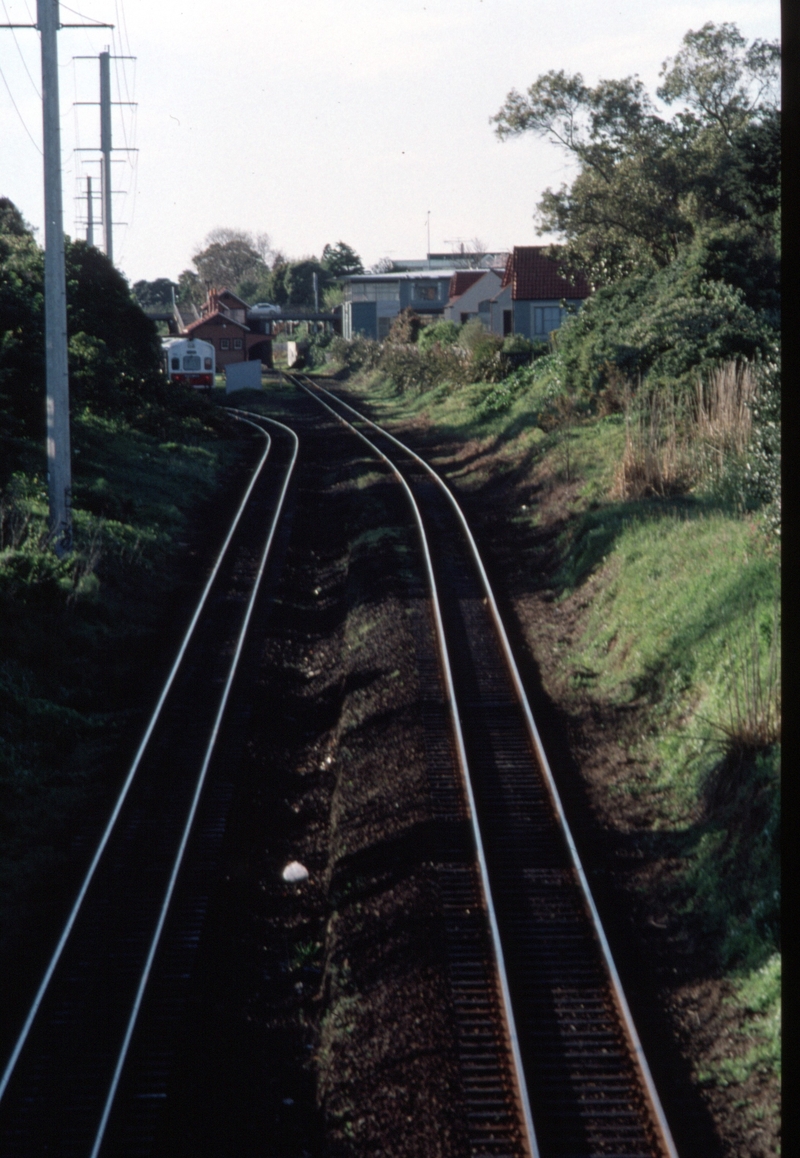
(532, 296)
(228, 337)
(537, 295)
(225, 302)
(460, 261)
(222, 322)
(471, 291)
(373, 300)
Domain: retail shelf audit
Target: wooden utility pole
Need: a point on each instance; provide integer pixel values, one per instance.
(59, 461)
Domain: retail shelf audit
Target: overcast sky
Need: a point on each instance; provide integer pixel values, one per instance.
(324, 119)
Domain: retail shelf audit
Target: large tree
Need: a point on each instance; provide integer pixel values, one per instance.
(340, 260)
(114, 349)
(155, 294)
(647, 183)
(191, 291)
(231, 255)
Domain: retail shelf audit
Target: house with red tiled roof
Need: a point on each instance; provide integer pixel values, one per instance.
(471, 290)
(536, 294)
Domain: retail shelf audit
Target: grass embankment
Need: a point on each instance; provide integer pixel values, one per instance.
(78, 634)
(680, 624)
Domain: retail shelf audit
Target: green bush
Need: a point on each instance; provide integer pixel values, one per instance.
(405, 328)
(356, 353)
(667, 325)
(442, 333)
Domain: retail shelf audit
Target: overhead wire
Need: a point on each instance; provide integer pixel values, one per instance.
(36, 88)
(92, 19)
(8, 86)
(19, 114)
(123, 84)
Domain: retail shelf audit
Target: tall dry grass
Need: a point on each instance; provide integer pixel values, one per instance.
(723, 414)
(672, 444)
(655, 460)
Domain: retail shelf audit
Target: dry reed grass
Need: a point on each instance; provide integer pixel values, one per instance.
(724, 413)
(670, 448)
(655, 460)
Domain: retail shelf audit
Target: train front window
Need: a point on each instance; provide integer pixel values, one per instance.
(206, 363)
(191, 362)
(176, 363)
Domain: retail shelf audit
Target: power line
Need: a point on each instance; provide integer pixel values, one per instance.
(21, 56)
(92, 22)
(19, 114)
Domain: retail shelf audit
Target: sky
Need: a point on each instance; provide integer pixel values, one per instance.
(365, 121)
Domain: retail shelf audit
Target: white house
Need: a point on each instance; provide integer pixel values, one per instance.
(471, 290)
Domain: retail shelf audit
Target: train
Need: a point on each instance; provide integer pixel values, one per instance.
(189, 360)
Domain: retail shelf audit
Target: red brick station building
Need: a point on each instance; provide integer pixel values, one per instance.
(223, 322)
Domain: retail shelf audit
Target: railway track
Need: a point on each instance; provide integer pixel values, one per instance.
(83, 1078)
(550, 1061)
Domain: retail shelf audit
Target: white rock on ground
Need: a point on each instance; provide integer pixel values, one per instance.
(295, 871)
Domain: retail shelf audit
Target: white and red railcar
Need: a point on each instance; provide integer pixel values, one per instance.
(189, 360)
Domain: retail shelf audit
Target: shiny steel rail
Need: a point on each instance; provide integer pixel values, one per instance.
(665, 1144)
(130, 779)
(513, 1040)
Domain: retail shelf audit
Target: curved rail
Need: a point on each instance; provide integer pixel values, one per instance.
(111, 825)
(522, 1091)
(201, 779)
(616, 985)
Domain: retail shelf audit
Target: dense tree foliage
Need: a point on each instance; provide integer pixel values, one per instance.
(228, 257)
(247, 264)
(675, 218)
(114, 349)
(647, 183)
(668, 324)
(12, 223)
(21, 325)
(155, 295)
(340, 260)
(191, 290)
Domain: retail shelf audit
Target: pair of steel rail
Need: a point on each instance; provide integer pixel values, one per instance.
(26, 1093)
(660, 1132)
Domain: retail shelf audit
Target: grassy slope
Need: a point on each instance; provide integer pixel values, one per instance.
(76, 634)
(684, 594)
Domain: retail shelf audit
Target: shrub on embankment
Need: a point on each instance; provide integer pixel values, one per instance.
(74, 629)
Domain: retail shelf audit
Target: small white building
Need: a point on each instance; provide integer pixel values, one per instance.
(471, 291)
